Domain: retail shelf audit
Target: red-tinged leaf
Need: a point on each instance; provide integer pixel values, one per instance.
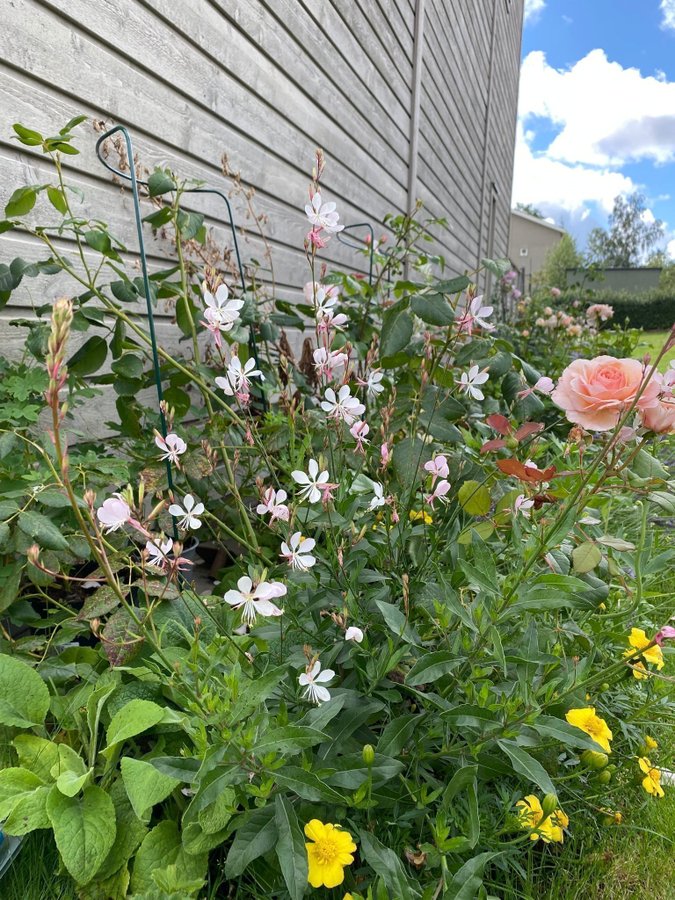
(527, 474)
(120, 637)
(496, 444)
(500, 423)
(528, 428)
(540, 499)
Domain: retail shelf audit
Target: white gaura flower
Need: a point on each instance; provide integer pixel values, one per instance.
(157, 551)
(326, 361)
(219, 300)
(311, 483)
(343, 406)
(237, 377)
(325, 299)
(172, 446)
(298, 552)
(378, 500)
(354, 634)
(437, 467)
(273, 503)
(471, 380)
(113, 513)
(311, 681)
(255, 601)
(221, 313)
(373, 384)
(523, 506)
(323, 215)
(188, 515)
(474, 313)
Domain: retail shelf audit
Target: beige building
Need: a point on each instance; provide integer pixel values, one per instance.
(530, 241)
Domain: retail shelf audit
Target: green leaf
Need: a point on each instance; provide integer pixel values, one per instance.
(130, 833)
(397, 329)
(306, 785)
(569, 735)
(99, 241)
(255, 836)
(133, 718)
(21, 202)
(57, 199)
(467, 881)
(36, 754)
(24, 698)
(128, 365)
(29, 813)
(387, 865)
(474, 498)
(290, 848)
(586, 557)
(16, 783)
(432, 309)
(27, 136)
(70, 783)
(288, 739)
(397, 734)
(161, 849)
(84, 830)
(89, 358)
(454, 285)
(160, 183)
(432, 666)
(145, 785)
(469, 716)
(528, 766)
(42, 530)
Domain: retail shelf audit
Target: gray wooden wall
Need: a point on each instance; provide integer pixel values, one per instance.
(266, 81)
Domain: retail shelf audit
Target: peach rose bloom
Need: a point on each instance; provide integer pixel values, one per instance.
(660, 418)
(595, 393)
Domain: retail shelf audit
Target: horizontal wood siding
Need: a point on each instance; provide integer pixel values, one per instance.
(266, 82)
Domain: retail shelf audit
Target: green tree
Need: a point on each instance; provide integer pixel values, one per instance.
(632, 234)
(530, 210)
(565, 255)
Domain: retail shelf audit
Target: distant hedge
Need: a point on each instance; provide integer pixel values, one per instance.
(653, 310)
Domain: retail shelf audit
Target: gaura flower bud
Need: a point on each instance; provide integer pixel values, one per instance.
(595, 760)
(549, 804)
(368, 754)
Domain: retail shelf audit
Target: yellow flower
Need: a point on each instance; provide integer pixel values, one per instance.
(416, 515)
(650, 743)
(549, 828)
(652, 780)
(638, 640)
(593, 725)
(329, 853)
(640, 670)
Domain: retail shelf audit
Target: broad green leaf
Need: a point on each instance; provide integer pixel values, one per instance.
(135, 717)
(454, 285)
(528, 766)
(432, 666)
(24, 697)
(397, 329)
(130, 833)
(69, 783)
(586, 557)
(42, 530)
(351, 771)
(569, 735)
(306, 785)
(145, 785)
(57, 199)
(182, 768)
(160, 183)
(216, 816)
(478, 578)
(290, 847)
(467, 881)
(84, 829)
(288, 739)
(27, 136)
(29, 813)
(255, 836)
(162, 848)
(89, 358)
(36, 754)
(474, 498)
(16, 783)
(432, 309)
(21, 202)
(397, 734)
(387, 865)
(469, 716)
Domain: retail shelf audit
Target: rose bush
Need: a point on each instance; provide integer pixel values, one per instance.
(419, 660)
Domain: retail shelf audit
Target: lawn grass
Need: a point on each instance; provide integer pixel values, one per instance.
(651, 342)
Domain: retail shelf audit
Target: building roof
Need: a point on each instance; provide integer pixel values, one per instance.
(537, 221)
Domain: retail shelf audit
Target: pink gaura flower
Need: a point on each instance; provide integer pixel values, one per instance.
(543, 385)
(359, 431)
(327, 361)
(354, 634)
(596, 393)
(437, 467)
(385, 455)
(273, 503)
(323, 216)
(113, 513)
(440, 492)
(172, 446)
(475, 314)
(523, 506)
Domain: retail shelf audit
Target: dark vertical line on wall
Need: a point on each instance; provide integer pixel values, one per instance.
(486, 132)
(418, 48)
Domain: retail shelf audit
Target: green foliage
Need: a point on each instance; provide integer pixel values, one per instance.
(631, 235)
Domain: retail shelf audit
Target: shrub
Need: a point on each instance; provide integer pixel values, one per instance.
(430, 606)
(652, 311)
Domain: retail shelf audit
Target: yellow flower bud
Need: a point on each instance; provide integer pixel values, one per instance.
(368, 754)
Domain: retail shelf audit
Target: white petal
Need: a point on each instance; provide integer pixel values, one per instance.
(326, 675)
(321, 693)
(176, 510)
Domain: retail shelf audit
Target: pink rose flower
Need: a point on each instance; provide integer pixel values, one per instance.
(596, 392)
(660, 418)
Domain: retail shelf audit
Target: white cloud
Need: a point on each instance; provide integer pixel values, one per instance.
(533, 8)
(670, 249)
(607, 115)
(540, 179)
(668, 10)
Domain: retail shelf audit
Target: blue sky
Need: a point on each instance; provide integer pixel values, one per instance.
(597, 109)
